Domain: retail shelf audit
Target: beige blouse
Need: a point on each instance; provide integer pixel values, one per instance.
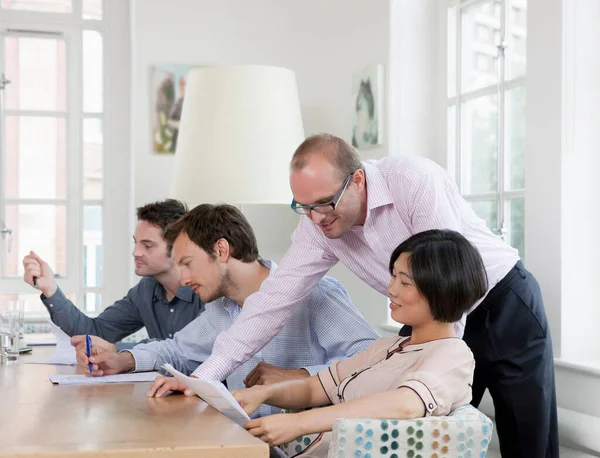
(440, 372)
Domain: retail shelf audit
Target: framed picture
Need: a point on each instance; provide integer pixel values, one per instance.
(167, 91)
(367, 99)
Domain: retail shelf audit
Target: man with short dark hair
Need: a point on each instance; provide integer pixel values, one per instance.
(158, 302)
(357, 213)
(216, 250)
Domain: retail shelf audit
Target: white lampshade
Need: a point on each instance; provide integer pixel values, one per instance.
(239, 128)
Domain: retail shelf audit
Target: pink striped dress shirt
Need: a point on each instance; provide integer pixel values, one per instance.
(405, 195)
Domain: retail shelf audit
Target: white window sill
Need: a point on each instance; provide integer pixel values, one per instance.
(589, 367)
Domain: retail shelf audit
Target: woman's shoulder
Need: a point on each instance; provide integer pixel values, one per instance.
(451, 347)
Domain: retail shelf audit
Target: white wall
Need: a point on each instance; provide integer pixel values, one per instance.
(324, 42)
(580, 312)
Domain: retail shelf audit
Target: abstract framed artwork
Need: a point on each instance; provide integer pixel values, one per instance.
(367, 99)
(167, 91)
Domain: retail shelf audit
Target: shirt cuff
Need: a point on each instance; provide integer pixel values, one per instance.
(57, 299)
(423, 392)
(214, 368)
(144, 360)
(314, 370)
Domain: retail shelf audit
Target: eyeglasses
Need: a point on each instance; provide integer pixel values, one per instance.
(326, 207)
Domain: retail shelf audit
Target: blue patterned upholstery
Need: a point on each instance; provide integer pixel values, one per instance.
(465, 433)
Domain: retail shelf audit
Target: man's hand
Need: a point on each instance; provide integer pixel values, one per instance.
(38, 268)
(105, 360)
(162, 385)
(275, 429)
(99, 346)
(251, 398)
(265, 374)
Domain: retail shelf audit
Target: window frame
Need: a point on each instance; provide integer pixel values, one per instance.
(116, 213)
(502, 194)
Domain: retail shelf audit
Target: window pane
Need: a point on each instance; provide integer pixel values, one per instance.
(92, 245)
(516, 231)
(451, 49)
(92, 71)
(479, 145)
(487, 211)
(515, 138)
(92, 9)
(92, 159)
(41, 228)
(32, 304)
(35, 157)
(45, 6)
(36, 68)
(516, 52)
(480, 34)
(451, 140)
(92, 302)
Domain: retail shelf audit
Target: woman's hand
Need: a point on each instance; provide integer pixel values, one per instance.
(276, 429)
(251, 398)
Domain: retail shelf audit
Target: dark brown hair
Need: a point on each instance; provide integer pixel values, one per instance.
(206, 223)
(161, 214)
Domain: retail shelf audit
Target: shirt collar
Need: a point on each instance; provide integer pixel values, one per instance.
(184, 293)
(378, 193)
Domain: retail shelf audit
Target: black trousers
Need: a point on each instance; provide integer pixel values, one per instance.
(509, 336)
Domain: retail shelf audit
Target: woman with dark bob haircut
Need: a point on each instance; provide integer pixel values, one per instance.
(437, 276)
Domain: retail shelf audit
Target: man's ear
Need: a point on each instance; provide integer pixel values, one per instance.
(359, 178)
(222, 249)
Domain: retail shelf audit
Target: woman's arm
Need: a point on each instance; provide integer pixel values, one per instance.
(291, 395)
(400, 404)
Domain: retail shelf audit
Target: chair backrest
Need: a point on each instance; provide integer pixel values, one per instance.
(465, 433)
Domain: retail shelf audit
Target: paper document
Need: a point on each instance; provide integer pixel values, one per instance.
(213, 393)
(65, 352)
(81, 379)
(33, 340)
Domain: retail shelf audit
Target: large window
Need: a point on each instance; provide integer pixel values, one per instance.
(51, 145)
(486, 58)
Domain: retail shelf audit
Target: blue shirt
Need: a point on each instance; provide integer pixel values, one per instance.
(144, 306)
(324, 327)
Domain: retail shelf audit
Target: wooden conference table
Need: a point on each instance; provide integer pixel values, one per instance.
(39, 419)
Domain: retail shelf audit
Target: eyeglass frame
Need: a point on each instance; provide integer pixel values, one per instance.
(306, 209)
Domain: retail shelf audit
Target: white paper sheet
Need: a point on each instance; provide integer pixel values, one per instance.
(81, 379)
(213, 393)
(34, 340)
(64, 353)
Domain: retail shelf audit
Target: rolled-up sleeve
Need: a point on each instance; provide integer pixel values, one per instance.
(436, 398)
(330, 381)
(444, 381)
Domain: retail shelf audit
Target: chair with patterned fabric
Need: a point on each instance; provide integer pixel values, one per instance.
(465, 433)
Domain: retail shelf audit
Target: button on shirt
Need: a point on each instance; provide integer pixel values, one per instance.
(144, 306)
(323, 327)
(405, 196)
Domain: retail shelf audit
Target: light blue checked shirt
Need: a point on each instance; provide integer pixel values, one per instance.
(324, 327)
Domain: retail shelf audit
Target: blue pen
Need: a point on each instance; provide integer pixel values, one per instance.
(88, 350)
